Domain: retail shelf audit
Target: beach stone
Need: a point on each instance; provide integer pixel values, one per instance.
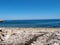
(19, 36)
(56, 44)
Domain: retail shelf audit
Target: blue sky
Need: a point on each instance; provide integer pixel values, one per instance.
(29, 9)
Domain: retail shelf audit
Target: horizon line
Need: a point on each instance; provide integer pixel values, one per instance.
(32, 19)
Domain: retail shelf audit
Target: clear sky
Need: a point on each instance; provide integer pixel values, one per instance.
(29, 9)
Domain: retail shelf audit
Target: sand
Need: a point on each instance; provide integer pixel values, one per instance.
(29, 36)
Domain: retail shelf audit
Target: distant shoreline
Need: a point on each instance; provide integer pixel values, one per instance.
(1, 20)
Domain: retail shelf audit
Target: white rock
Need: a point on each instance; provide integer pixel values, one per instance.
(56, 44)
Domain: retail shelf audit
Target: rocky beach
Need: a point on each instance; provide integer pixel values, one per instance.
(29, 36)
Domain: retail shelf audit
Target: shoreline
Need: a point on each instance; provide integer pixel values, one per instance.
(30, 28)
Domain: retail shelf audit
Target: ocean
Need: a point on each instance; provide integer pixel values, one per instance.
(49, 23)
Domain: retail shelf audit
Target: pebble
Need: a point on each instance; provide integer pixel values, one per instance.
(16, 37)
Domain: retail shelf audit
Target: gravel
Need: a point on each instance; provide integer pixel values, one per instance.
(13, 36)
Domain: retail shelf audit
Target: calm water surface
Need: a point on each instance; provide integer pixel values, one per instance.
(53, 23)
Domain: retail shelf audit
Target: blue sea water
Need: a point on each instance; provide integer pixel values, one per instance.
(51, 23)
